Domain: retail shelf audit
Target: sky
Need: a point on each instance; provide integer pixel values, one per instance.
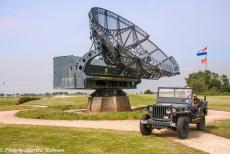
(33, 32)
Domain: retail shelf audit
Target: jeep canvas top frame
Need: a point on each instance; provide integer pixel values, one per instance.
(174, 95)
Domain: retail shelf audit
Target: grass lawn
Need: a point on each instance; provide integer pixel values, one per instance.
(8, 101)
(80, 101)
(142, 99)
(56, 106)
(10, 104)
(76, 140)
(63, 103)
(221, 128)
(219, 103)
(57, 114)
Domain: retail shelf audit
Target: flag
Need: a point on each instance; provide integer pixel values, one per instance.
(204, 49)
(204, 61)
(202, 52)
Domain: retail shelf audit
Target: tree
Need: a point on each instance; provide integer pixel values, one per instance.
(198, 81)
(148, 91)
(225, 83)
(208, 81)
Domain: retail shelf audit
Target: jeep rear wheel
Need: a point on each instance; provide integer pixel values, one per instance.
(201, 124)
(144, 128)
(183, 127)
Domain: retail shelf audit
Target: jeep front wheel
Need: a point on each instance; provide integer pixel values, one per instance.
(201, 124)
(182, 127)
(144, 128)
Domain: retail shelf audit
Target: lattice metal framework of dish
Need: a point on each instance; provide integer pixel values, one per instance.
(126, 44)
(121, 55)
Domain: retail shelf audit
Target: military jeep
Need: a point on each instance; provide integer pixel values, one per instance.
(175, 108)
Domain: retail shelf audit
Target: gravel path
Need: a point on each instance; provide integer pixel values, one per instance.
(200, 140)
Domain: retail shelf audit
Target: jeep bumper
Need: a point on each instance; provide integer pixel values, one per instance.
(159, 123)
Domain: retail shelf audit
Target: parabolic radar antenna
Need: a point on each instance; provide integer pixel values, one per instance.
(120, 56)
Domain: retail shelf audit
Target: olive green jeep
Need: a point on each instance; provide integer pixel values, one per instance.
(175, 108)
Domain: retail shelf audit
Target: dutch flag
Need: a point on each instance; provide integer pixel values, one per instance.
(202, 52)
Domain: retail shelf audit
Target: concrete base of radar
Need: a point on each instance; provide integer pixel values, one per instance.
(108, 104)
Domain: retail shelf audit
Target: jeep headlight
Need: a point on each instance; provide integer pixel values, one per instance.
(168, 111)
(173, 110)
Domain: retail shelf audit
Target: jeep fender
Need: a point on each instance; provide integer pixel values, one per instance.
(187, 114)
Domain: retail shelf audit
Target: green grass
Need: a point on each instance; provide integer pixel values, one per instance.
(219, 103)
(58, 105)
(142, 99)
(221, 128)
(57, 114)
(63, 103)
(76, 140)
(14, 107)
(8, 101)
(10, 104)
(80, 101)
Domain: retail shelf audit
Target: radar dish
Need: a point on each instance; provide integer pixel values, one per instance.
(127, 46)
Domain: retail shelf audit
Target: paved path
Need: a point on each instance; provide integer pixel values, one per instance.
(200, 140)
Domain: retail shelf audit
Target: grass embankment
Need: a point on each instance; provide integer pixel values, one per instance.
(75, 140)
(10, 104)
(57, 106)
(63, 103)
(80, 101)
(220, 128)
(57, 114)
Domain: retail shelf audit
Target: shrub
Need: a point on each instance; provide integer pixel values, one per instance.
(148, 92)
(27, 99)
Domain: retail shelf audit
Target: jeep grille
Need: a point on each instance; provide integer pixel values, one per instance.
(160, 111)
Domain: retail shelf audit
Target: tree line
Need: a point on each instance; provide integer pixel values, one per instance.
(207, 82)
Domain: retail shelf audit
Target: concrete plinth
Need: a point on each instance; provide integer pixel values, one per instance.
(108, 104)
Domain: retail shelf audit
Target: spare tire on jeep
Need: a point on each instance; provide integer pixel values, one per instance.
(201, 125)
(144, 128)
(182, 127)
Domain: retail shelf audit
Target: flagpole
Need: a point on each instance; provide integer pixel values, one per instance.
(206, 63)
(3, 85)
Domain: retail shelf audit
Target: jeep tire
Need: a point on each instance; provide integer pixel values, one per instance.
(201, 125)
(144, 129)
(182, 127)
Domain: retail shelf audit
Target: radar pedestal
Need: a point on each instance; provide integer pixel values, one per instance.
(108, 100)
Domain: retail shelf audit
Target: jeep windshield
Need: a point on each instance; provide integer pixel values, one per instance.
(174, 95)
